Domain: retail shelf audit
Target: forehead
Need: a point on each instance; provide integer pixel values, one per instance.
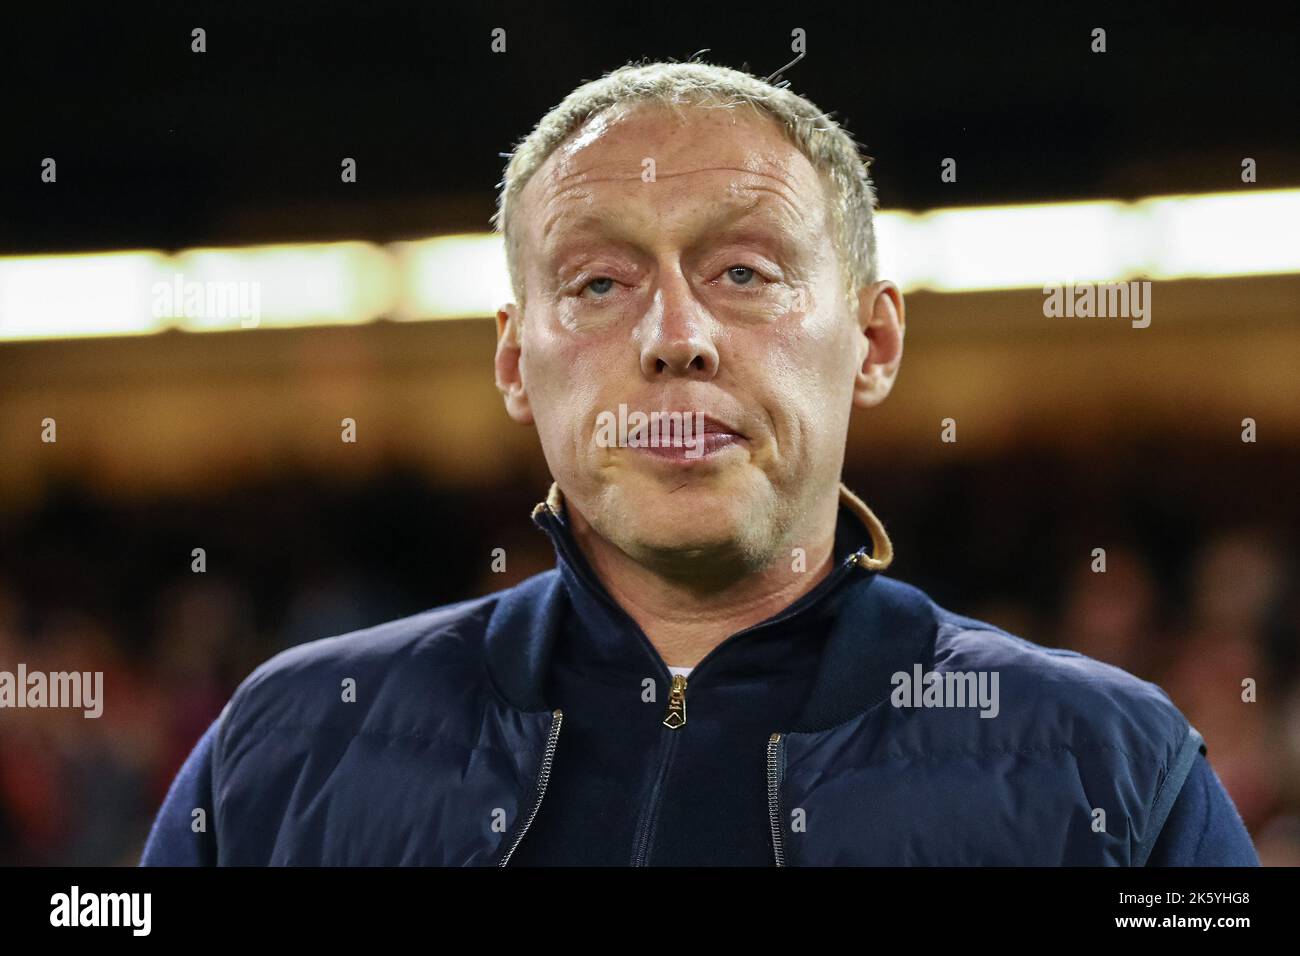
(735, 156)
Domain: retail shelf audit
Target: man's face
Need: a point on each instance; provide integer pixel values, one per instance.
(684, 264)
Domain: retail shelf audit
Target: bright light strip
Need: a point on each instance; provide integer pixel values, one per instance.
(1224, 234)
(1219, 235)
(338, 283)
(452, 276)
(1163, 237)
(54, 297)
(1006, 247)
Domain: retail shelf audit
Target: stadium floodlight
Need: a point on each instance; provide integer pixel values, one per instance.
(452, 277)
(464, 276)
(337, 283)
(66, 296)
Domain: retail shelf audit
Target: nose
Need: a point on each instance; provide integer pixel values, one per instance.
(677, 336)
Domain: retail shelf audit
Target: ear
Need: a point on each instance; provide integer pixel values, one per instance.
(880, 319)
(510, 382)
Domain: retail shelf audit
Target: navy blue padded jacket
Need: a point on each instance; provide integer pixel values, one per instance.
(539, 726)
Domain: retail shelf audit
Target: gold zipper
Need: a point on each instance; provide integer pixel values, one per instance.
(676, 716)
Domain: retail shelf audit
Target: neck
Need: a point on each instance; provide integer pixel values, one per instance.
(685, 616)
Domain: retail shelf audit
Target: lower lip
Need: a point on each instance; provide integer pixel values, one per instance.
(712, 445)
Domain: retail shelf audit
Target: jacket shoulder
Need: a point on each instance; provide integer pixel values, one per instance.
(1087, 691)
(1124, 734)
(1047, 697)
(1116, 723)
(378, 678)
(444, 631)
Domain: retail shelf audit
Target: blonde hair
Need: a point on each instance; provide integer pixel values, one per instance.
(828, 147)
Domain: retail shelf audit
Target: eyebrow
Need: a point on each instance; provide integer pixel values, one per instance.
(732, 222)
(596, 221)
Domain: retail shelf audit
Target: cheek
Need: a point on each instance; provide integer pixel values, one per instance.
(808, 370)
(564, 376)
(815, 356)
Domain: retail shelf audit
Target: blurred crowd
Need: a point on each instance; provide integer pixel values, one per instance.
(104, 585)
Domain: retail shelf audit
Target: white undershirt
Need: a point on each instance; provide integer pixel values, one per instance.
(684, 671)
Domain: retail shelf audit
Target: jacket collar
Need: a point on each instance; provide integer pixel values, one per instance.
(878, 629)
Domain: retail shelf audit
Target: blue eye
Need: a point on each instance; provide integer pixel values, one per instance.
(740, 274)
(604, 282)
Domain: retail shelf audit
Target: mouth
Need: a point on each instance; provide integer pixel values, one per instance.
(685, 438)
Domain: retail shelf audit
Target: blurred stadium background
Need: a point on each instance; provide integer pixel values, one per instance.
(177, 433)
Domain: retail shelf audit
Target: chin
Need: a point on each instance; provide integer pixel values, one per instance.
(685, 517)
(658, 541)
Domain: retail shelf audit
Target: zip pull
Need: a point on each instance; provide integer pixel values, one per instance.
(676, 716)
